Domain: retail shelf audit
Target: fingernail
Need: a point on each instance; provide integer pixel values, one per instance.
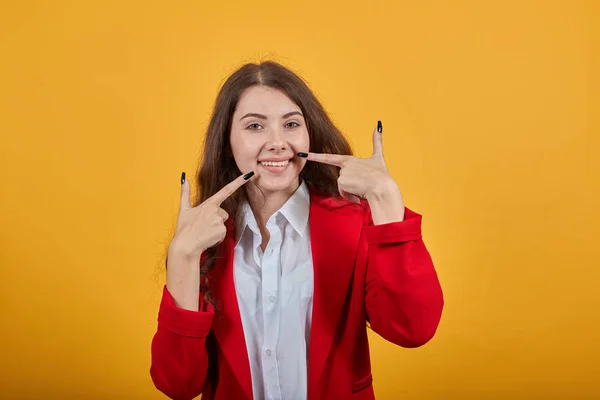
(249, 175)
(182, 178)
(303, 155)
(379, 127)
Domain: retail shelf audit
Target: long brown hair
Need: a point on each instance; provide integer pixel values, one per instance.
(217, 167)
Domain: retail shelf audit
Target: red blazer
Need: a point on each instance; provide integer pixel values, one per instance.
(363, 273)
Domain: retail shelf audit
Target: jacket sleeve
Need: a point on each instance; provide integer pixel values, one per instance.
(403, 296)
(179, 353)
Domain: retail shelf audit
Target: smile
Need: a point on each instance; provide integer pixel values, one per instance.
(274, 163)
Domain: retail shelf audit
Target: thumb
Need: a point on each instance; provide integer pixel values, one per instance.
(377, 141)
(185, 193)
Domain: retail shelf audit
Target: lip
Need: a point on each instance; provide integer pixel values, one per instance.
(275, 159)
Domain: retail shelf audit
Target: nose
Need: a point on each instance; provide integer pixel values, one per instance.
(275, 141)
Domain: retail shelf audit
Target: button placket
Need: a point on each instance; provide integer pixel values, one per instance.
(270, 283)
(271, 272)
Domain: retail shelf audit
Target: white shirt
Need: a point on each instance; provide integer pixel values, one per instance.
(275, 295)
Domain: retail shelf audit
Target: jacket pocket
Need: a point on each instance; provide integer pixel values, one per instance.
(362, 383)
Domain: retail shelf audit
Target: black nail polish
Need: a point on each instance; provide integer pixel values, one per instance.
(379, 127)
(249, 175)
(182, 178)
(303, 155)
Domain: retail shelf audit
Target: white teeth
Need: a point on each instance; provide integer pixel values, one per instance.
(274, 164)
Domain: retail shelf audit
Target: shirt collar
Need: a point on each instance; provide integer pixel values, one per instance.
(295, 210)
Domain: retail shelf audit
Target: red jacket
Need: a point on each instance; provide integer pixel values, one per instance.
(363, 273)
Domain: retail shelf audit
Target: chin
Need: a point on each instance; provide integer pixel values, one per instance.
(277, 184)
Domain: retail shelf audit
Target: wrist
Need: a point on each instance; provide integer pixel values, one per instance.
(385, 192)
(179, 250)
(386, 204)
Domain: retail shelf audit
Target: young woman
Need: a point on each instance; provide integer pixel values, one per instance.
(292, 247)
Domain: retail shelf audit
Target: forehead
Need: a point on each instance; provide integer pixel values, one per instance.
(265, 100)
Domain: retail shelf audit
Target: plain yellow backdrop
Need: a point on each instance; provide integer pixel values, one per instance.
(490, 116)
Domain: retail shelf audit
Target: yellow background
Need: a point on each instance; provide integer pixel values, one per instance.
(490, 116)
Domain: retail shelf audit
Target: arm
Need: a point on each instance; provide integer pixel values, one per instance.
(179, 353)
(403, 298)
(180, 356)
(179, 348)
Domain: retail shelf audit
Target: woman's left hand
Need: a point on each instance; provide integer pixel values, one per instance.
(367, 178)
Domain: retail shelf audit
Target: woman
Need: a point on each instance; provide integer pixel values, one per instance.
(292, 247)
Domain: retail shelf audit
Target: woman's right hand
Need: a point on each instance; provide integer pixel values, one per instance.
(203, 226)
(198, 228)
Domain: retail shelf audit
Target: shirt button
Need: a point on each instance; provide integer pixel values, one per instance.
(272, 299)
(268, 352)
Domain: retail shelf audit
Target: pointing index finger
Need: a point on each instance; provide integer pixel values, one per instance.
(230, 188)
(331, 159)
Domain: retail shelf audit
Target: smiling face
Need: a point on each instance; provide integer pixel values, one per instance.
(267, 131)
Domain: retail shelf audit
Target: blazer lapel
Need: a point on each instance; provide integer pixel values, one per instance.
(334, 241)
(227, 322)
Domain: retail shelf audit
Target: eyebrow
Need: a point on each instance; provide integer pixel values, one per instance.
(255, 115)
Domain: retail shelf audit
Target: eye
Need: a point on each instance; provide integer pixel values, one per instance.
(292, 124)
(254, 126)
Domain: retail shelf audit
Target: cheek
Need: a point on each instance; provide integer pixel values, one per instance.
(302, 142)
(244, 150)
(239, 156)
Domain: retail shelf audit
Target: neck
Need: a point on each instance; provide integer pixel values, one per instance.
(264, 204)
